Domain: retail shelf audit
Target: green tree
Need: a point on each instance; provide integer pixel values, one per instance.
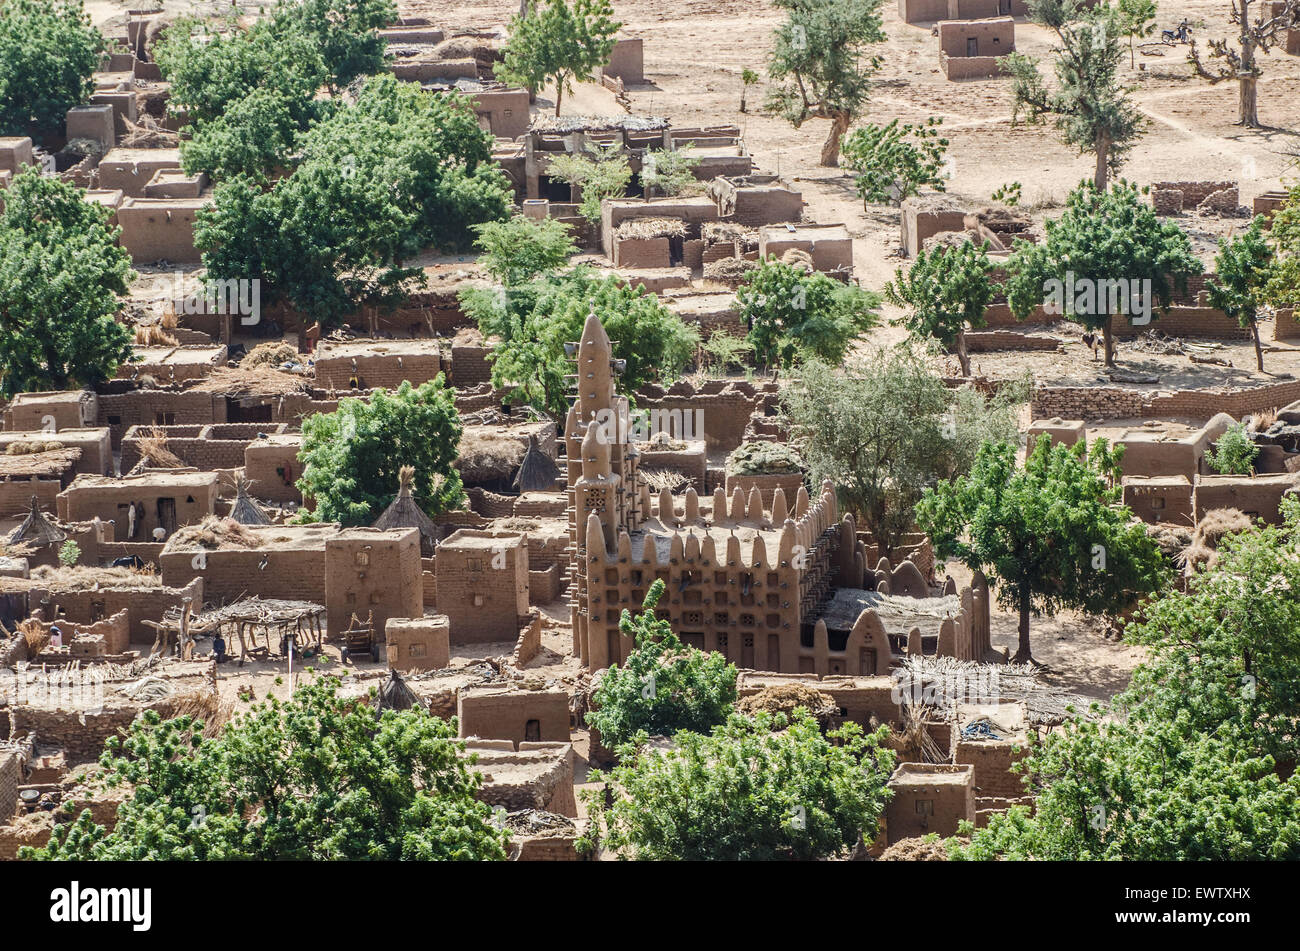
(48, 50)
(560, 42)
(758, 789)
(254, 136)
(345, 32)
(664, 687)
(820, 64)
(61, 274)
(522, 249)
(1050, 535)
(1137, 19)
(69, 553)
(316, 778)
(1106, 245)
(747, 78)
(1234, 453)
(885, 427)
(947, 291)
(794, 315)
(1283, 284)
(894, 161)
(1194, 760)
(1092, 110)
(536, 320)
(602, 173)
(380, 180)
(1243, 268)
(352, 456)
(670, 171)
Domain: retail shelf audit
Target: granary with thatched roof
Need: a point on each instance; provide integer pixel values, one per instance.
(36, 531)
(405, 512)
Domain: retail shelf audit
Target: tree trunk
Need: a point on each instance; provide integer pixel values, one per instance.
(1247, 78)
(1108, 341)
(559, 94)
(743, 92)
(1247, 98)
(831, 148)
(1259, 350)
(1101, 174)
(1023, 655)
(962, 356)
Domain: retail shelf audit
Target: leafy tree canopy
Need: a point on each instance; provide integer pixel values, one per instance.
(664, 687)
(61, 274)
(314, 778)
(603, 172)
(947, 291)
(794, 315)
(820, 64)
(1106, 244)
(893, 161)
(558, 41)
(393, 173)
(1243, 268)
(48, 50)
(884, 427)
(536, 320)
(765, 788)
(1234, 453)
(1196, 760)
(522, 249)
(1049, 535)
(1091, 109)
(352, 456)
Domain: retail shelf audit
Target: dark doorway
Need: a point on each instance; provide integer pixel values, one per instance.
(167, 514)
(972, 46)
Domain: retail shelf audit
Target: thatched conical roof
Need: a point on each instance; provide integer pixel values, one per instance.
(245, 511)
(36, 529)
(537, 471)
(404, 513)
(396, 695)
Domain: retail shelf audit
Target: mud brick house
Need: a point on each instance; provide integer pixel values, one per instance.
(365, 571)
(130, 170)
(271, 465)
(626, 60)
(860, 699)
(508, 712)
(222, 446)
(418, 643)
(51, 412)
(754, 200)
(929, 798)
(1065, 432)
(372, 574)
(1164, 448)
(92, 122)
(929, 11)
(368, 364)
(174, 364)
(160, 229)
(973, 49)
(482, 585)
(93, 442)
(992, 738)
(1259, 496)
(924, 216)
(830, 246)
(785, 589)
(550, 135)
(15, 153)
(1160, 499)
(139, 505)
(35, 475)
(501, 109)
(535, 776)
(86, 596)
(692, 212)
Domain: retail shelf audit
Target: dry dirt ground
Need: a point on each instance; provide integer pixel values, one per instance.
(695, 51)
